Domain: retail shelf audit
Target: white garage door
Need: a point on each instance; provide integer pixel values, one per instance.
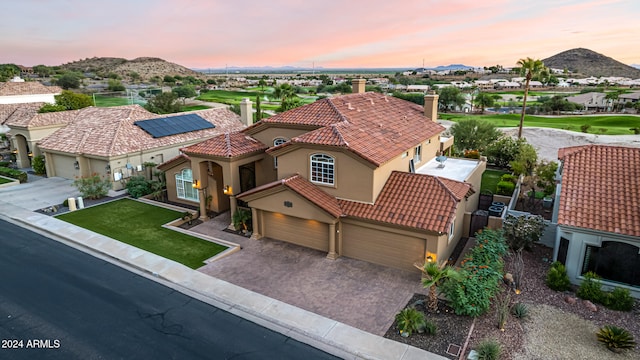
(382, 247)
(64, 166)
(307, 233)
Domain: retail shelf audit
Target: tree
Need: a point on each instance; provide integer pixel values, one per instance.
(521, 233)
(283, 91)
(528, 68)
(258, 109)
(8, 71)
(262, 83)
(184, 92)
(169, 79)
(43, 70)
(546, 176)
(503, 151)
(613, 97)
(484, 100)
(68, 100)
(163, 103)
(473, 134)
(69, 80)
(115, 85)
(526, 160)
(450, 97)
(436, 275)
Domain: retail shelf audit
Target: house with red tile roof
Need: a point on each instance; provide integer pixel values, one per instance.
(352, 175)
(114, 142)
(598, 214)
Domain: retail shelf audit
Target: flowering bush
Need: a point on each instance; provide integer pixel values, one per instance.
(480, 275)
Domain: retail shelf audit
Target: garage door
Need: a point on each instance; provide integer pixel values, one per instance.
(307, 233)
(382, 247)
(64, 166)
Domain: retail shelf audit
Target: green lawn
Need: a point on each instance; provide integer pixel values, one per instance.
(490, 179)
(104, 101)
(235, 97)
(4, 181)
(195, 107)
(614, 124)
(139, 224)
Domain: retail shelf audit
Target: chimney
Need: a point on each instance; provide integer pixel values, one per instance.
(358, 86)
(431, 105)
(246, 112)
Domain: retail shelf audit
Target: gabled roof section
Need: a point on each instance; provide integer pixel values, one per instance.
(374, 126)
(111, 131)
(28, 117)
(318, 113)
(10, 111)
(407, 199)
(27, 88)
(174, 161)
(304, 188)
(601, 188)
(226, 145)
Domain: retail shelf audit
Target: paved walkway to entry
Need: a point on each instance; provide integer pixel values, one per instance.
(357, 293)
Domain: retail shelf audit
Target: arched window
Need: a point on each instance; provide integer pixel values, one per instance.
(276, 142)
(184, 186)
(322, 169)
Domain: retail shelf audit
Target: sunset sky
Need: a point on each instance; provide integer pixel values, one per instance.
(330, 33)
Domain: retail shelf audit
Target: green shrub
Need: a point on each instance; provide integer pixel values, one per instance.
(615, 339)
(557, 278)
(505, 188)
(509, 177)
(92, 187)
(138, 186)
(520, 310)
(430, 328)
(65, 203)
(14, 174)
(585, 128)
(620, 299)
(38, 165)
(591, 288)
(488, 350)
(4, 163)
(410, 320)
(470, 293)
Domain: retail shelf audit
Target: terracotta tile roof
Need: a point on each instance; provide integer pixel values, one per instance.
(7, 111)
(174, 161)
(601, 188)
(374, 126)
(414, 200)
(304, 188)
(27, 88)
(110, 131)
(28, 117)
(226, 145)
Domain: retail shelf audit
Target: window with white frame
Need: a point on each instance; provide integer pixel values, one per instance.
(452, 229)
(322, 169)
(184, 186)
(276, 142)
(417, 154)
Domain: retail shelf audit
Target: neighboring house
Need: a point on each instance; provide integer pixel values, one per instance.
(117, 141)
(633, 97)
(21, 92)
(352, 175)
(7, 111)
(592, 101)
(598, 214)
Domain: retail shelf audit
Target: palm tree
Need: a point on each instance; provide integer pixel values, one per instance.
(436, 276)
(529, 68)
(484, 100)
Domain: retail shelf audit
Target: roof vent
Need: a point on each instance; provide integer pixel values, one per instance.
(349, 106)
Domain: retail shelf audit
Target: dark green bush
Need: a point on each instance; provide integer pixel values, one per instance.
(488, 350)
(138, 186)
(520, 310)
(480, 275)
(557, 278)
(409, 321)
(65, 203)
(591, 288)
(505, 188)
(509, 177)
(39, 165)
(585, 128)
(430, 328)
(14, 174)
(4, 163)
(620, 299)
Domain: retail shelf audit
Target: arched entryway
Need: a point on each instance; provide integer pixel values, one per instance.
(21, 151)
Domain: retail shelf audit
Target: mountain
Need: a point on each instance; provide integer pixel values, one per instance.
(590, 63)
(146, 67)
(637, 66)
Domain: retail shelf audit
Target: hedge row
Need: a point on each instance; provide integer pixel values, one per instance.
(14, 174)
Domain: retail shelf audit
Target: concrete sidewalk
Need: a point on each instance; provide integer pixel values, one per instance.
(328, 335)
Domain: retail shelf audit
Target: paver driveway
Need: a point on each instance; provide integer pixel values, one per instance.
(357, 293)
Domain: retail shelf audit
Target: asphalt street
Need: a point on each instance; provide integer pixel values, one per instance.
(59, 303)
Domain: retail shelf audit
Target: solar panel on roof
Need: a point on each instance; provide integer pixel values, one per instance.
(173, 125)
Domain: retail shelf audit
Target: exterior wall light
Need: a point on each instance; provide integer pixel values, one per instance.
(108, 168)
(76, 165)
(227, 190)
(196, 184)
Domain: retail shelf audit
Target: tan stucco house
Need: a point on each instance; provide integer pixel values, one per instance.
(110, 141)
(353, 175)
(598, 214)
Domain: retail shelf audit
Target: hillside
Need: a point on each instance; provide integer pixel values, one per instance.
(591, 63)
(146, 67)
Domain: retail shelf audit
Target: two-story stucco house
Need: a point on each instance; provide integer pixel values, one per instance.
(353, 175)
